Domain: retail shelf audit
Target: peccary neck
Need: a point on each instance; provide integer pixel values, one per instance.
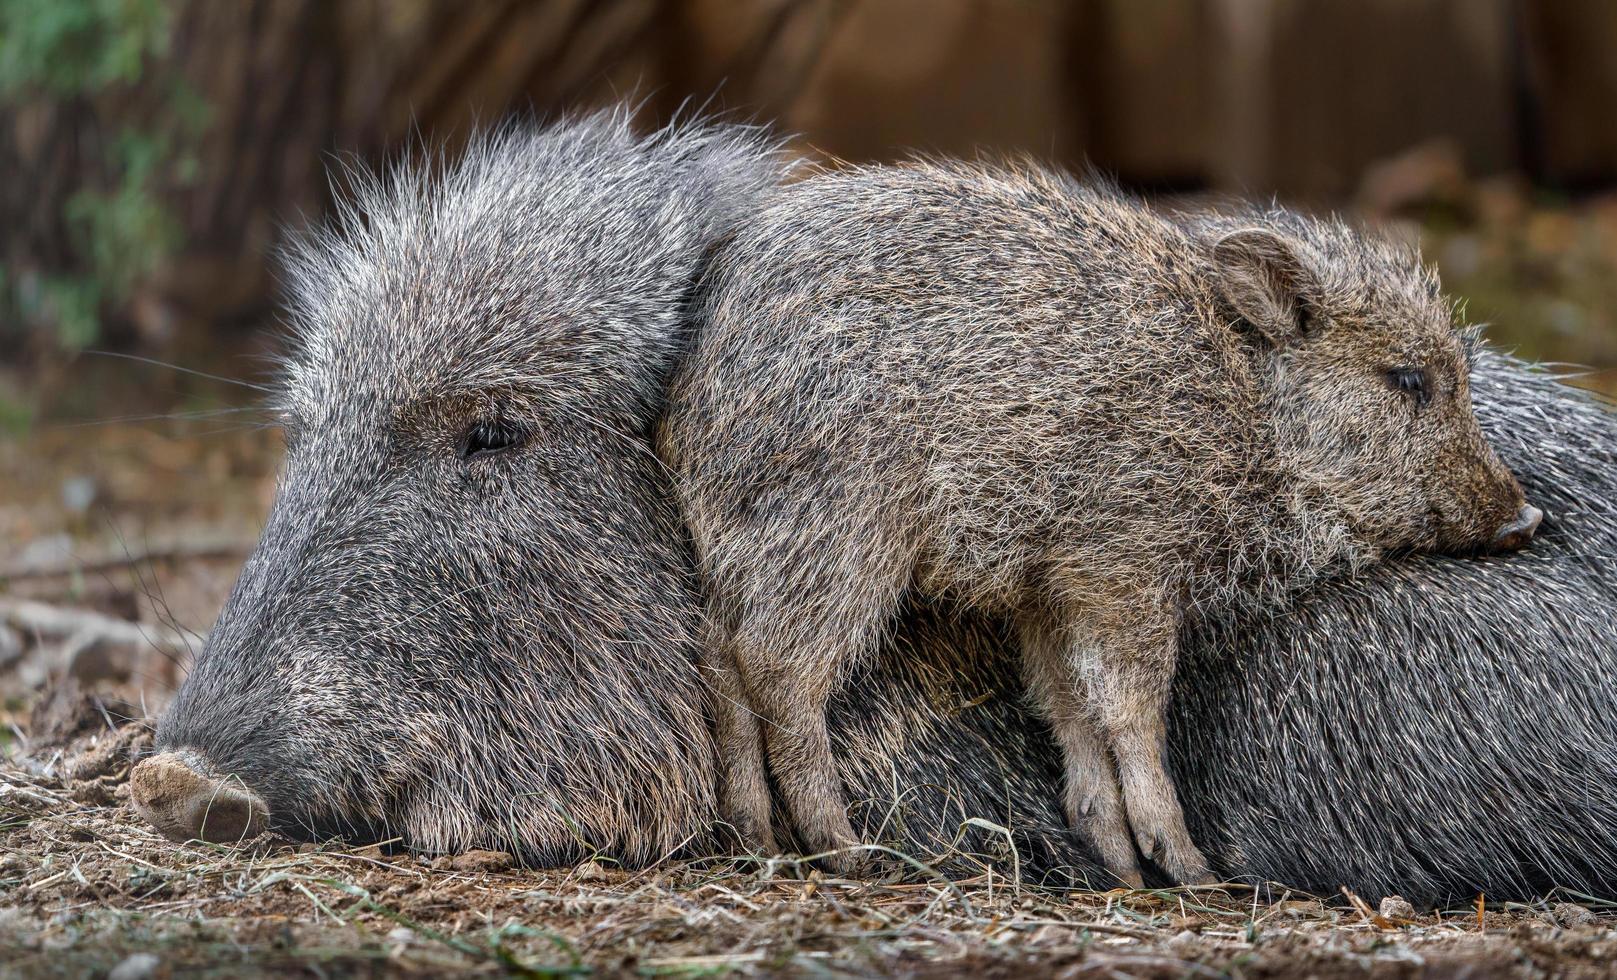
(1283, 528)
(1292, 535)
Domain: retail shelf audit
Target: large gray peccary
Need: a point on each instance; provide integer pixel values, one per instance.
(1000, 387)
(471, 618)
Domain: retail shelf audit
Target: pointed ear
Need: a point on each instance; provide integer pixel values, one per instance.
(1264, 281)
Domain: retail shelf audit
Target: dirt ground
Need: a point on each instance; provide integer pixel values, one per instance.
(129, 495)
(87, 889)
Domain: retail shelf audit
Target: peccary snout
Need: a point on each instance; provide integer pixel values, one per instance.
(1515, 535)
(174, 793)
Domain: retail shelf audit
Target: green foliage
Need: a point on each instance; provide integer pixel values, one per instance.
(70, 47)
(123, 232)
(120, 228)
(70, 303)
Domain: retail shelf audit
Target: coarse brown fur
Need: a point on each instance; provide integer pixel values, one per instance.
(1020, 394)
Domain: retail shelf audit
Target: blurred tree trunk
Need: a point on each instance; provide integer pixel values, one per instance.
(229, 134)
(1570, 90)
(151, 201)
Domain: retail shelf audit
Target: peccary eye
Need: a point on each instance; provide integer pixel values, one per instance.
(1412, 382)
(488, 438)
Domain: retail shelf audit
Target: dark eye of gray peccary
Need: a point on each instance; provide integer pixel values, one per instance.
(1412, 382)
(490, 437)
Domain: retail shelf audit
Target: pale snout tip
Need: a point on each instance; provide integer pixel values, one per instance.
(1515, 535)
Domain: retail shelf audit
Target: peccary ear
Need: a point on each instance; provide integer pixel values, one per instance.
(722, 172)
(1264, 281)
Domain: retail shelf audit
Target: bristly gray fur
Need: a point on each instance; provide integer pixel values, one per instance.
(484, 648)
(555, 258)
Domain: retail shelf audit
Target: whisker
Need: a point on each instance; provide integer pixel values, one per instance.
(227, 430)
(197, 416)
(159, 604)
(175, 367)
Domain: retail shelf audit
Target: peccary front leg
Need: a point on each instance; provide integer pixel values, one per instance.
(743, 782)
(800, 758)
(1093, 801)
(793, 651)
(1131, 673)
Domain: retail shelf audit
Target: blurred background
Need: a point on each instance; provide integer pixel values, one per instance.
(153, 151)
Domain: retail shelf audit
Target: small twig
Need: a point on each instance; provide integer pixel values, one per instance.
(1370, 915)
(53, 566)
(1100, 927)
(48, 620)
(41, 883)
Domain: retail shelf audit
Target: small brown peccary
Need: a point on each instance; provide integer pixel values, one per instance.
(1032, 396)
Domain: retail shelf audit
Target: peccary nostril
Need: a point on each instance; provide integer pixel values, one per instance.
(1518, 532)
(185, 805)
